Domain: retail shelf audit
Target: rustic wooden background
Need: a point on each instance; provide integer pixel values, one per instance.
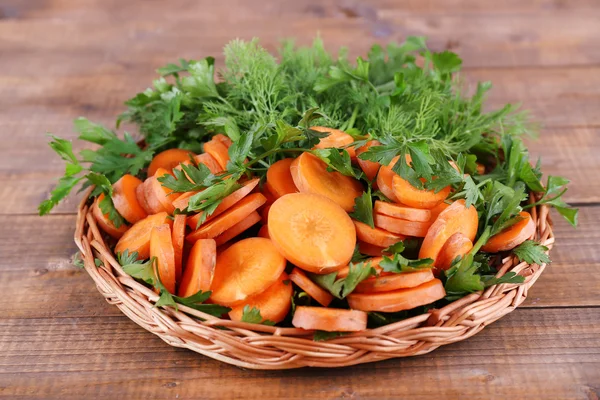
(60, 59)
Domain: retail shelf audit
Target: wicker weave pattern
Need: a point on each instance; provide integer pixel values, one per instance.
(265, 347)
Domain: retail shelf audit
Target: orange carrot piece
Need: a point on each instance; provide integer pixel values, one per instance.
(336, 139)
(312, 289)
(374, 262)
(209, 161)
(178, 238)
(401, 211)
(311, 176)
(437, 210)
(401, 226)
(223, 139)
(150, 194)
(370, 249)
(418, 198)
(137, 238)
(264, 213)
(480, 169)
(390, 282)
(512, 236)
(164, 195)
(375, 236)
(279, 178)
(264, 232)
(218, 151)
(226, 203)
(245, 269)
(183, 200)
(370, 168)
(199, 269)
(234, 215)
(105, 223)
(268, 193)
(238, 228)
(385, 178)
(312, 232)
(398, 300)
(454, 219)
(140, 194)
(329, 319)
(168, 160)
(273, 304)
(161, 247)
(125, 199)
(457, 245)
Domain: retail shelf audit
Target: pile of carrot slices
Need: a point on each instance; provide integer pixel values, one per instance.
(271, 235)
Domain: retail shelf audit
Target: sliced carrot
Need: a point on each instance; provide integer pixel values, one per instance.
(418, 198)
(226, 203)
(178, 239)
(375, 236)
(183, 200)
(279, 178)
(104, 222)
(268, 193)
(218, 151)
(512, 236)
(264, 232)
(401, 226)
(374, 262)
(329, 319)
(398, 300)
(137, 238)
(390, 282)
(312, 289)
(209, 161)
(125, 199)
(199, 269)
(264, 213)
(164, 195)
(370, 168)
(401, 211)
(336, 139)
(385, 179)
(370, 249)
(234, 215)
(454, 219)
(437, 210)
(312, 232)
(273, 304)
(140, 194)
(161, 247)
(223, 139)
(238, 228)
(245, 269)
(457, 245)
(480, 168)
(168, 160)
(150, 194)
(311, 176)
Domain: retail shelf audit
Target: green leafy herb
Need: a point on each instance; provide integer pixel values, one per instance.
(363, 209)
(252, 316)
(342, 287)
(321, 336)
(532, 252)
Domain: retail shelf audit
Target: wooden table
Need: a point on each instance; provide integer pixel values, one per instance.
(60, 59)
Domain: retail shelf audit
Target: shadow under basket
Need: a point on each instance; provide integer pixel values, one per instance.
(272, 348)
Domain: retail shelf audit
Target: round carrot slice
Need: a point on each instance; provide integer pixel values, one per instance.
(279, 178)
(418, 198)
(140, 194)
(311, 176)
(370, 249)
(512, 236)
(370, 168)
(375, 236)
(238, 228)
(168, 160)
(267, 191)
(245, 269)
(183, 200)
(223, 139)
(161, 247)
(401, 226)
(312, 232)
(234, 215)
(401, 211)
(264, 213)
(454, 219)
(218, 151)
(226, 203)
(390, 282)
(105, 223)
(385, 178)
(178, 238)
(125, 199)
(137, 238)
(398, 300)
(264, 232)
(274, 303)
(199, 269)
(437, 210)
(158, 192)
(312, 289)
(374, 263)
(335, 139)
(209, 161)
(329, 319)
(457, 245)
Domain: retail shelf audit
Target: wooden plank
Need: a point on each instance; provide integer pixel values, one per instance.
(551, 354)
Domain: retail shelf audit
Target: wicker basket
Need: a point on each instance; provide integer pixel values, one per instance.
(267, 347)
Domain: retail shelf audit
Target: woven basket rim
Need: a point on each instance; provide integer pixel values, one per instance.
(256, 346)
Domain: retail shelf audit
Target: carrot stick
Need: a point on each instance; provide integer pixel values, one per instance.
(373, 262)
(457, 245)
(512, 236)
(370, 168)
(370, 249)
(390, 282)
(336, 139)
(245, 269)
(418, 198)
(310, 175)
(273, 304)
(329, 319)
(312, 289)
(161, 247)
(228, 219)
(401, 211)
(218, 151)
(385, 178)
(178, 238)
(209, 161)
(401, 226)
(199, 269)
(279, 178)
(312, 232)
(264, 232)
(168, 160)
(375, 236)
(125, 199)
(238, 228)
(137, 238)
(398, 300)
(104, 222)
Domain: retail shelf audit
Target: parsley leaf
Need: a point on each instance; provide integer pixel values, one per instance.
(532, 252)
(363, 209)
(399, 264)
(321, 336)
(252, 316)
(341, 288)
